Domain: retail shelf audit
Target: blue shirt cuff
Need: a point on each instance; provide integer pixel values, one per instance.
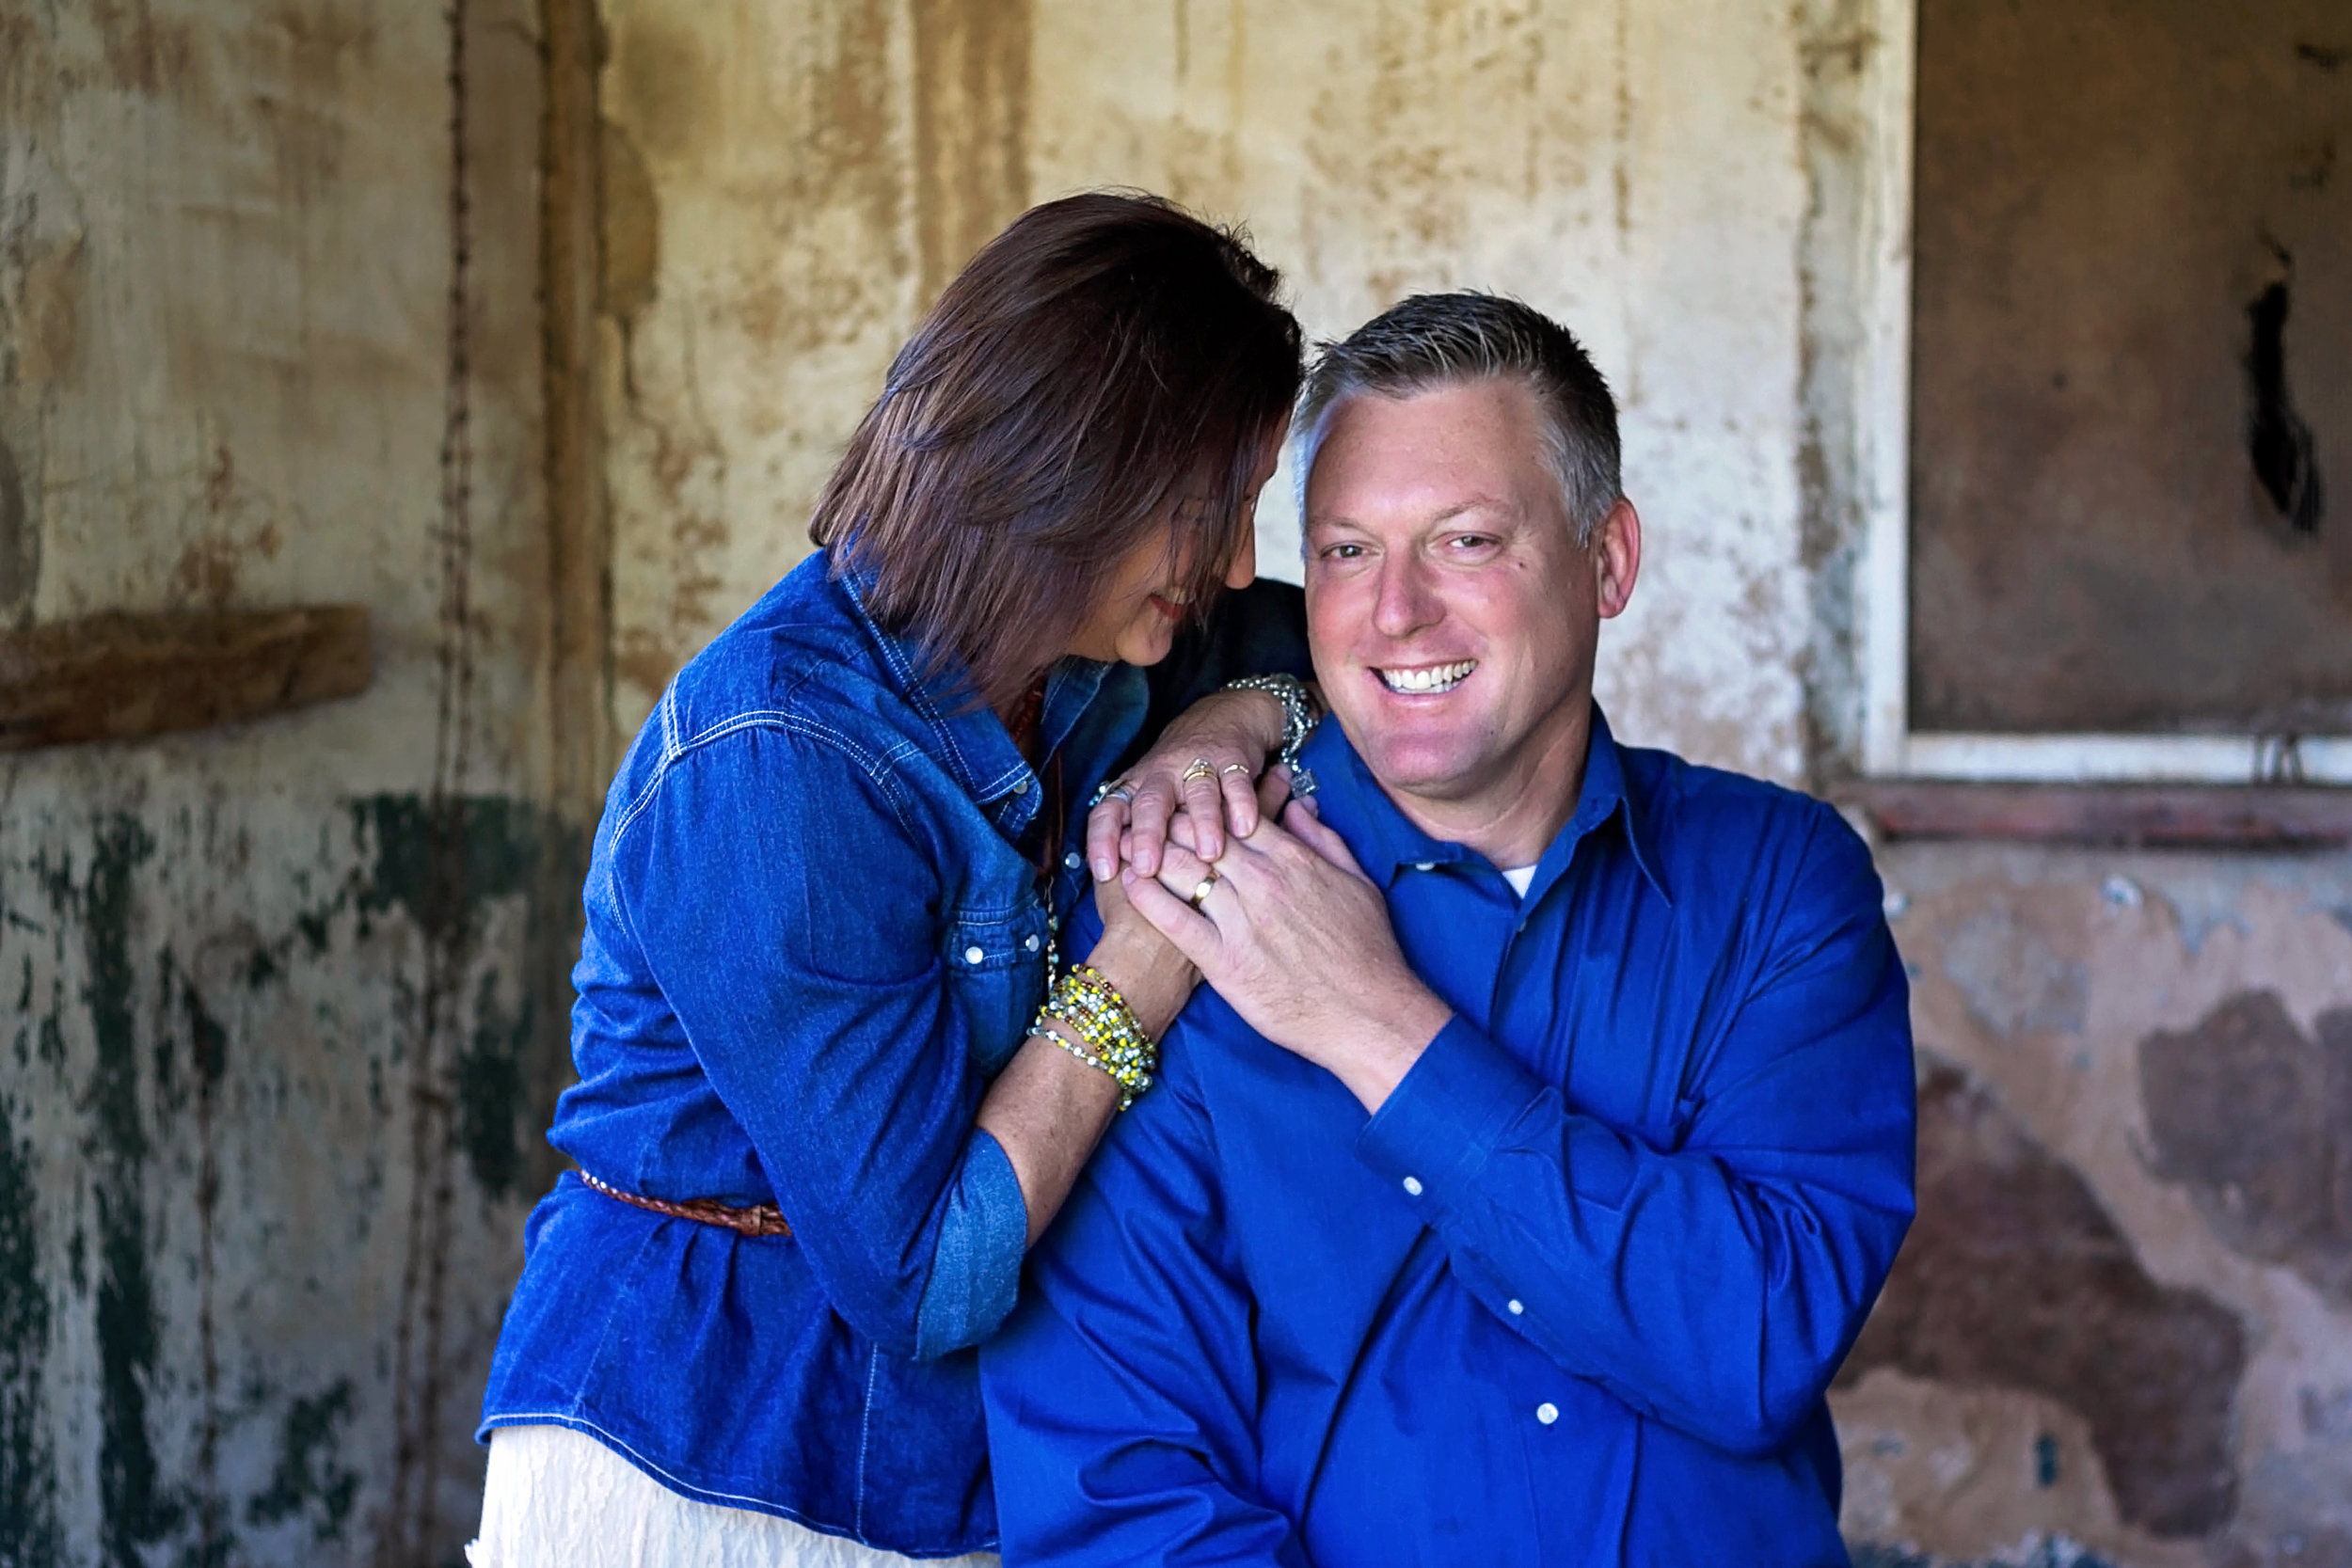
(1439, 1125)
(975, 1270)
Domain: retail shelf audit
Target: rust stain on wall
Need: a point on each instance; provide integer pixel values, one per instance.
(19, 539)
(662, 81)
(2255, 1119)
(971, 129)
(2015, 1276)
(143, 52)
(630, 227)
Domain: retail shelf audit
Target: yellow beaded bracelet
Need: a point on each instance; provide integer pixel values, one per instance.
(1108, 1037)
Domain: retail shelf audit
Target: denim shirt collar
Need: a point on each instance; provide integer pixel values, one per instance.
(968, 737)
(1386, 840)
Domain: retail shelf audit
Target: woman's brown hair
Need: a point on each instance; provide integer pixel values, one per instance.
(1108, 368)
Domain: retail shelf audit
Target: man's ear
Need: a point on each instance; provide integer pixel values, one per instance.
(1616, 558)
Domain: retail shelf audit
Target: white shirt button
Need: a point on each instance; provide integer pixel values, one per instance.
(972, 954)
(1547, 1413)
(1412, 1186)
(1072, 861)
(1030, 945)
(1515, 1305)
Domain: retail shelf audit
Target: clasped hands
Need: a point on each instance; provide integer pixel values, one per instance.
(1266, 903)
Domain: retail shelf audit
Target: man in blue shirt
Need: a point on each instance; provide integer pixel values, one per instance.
(1547, 1133)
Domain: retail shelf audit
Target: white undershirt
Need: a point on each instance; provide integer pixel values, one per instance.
(1519, 879)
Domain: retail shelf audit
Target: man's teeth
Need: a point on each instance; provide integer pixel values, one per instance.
(1436, 677)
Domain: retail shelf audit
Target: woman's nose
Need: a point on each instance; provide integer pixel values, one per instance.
(1245, 568)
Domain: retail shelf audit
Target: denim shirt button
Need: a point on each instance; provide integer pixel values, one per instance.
(1547, 1413)
(1020, 786)
(1031, 945)
(1412, 1186)
(1515, 1305)
(1072, 862)
(972, 954)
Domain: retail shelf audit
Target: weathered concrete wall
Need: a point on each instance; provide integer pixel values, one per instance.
(272, 1025)
(2123, 1326)
(2123, 1315)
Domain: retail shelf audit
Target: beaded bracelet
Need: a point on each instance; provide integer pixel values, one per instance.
(1300, 715)
(1108, 1036)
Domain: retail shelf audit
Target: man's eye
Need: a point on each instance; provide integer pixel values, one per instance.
(1472, 541)
(1341, 552)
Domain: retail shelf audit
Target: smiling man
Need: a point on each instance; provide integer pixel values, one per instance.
(1516, 1191)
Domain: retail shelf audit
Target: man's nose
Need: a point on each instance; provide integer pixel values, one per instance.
(1408, 602)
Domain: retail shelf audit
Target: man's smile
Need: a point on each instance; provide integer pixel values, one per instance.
(1418, 680)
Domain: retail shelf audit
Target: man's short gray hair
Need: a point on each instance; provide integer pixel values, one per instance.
(1436, 340)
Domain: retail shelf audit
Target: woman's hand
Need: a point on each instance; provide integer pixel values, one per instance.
(1206, 767)
(1149, 969)
(1297, 939)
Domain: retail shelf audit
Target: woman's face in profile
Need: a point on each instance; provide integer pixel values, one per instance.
(1136, 617)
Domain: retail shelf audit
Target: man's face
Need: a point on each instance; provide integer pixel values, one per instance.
(1452, 612)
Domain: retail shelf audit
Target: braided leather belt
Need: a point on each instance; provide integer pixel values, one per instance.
(763, 1219)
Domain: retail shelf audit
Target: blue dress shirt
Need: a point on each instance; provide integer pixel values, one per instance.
(815, 932)
(1572, 1297)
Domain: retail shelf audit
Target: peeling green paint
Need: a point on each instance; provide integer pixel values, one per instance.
(137, 1507)
(308, 1473)
(489, 1081)
(29, 1531)
(131, 1054)
(443, 866)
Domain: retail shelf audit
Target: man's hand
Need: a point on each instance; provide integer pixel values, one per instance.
(1297, 939)
(1231, 733)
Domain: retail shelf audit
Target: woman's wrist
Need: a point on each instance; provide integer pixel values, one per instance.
(1154, 977)
(1300, 711)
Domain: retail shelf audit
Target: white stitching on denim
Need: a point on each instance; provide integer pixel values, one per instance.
(865, 1430)
(918, 694)
(877, 769)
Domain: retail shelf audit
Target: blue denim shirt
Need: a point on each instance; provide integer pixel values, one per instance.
(1572, 1297)
(811, 940)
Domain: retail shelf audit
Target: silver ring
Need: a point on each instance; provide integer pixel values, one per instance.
(1234, 768)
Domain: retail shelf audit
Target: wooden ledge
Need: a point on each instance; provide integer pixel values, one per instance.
(2205, 816)
(126, 677)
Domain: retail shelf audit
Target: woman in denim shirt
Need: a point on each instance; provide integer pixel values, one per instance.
(813, 1140)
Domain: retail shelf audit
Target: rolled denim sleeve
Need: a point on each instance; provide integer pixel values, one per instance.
(1716, 1285)
(787, 903)
(976, 1267)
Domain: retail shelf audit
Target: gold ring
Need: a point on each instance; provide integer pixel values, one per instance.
(1234, 768)
(1201, 894)
(1202, 769)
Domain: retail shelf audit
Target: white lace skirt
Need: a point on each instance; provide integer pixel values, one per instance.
(558, 1499)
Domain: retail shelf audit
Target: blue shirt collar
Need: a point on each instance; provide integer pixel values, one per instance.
(971, 742)
(1385, 840)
